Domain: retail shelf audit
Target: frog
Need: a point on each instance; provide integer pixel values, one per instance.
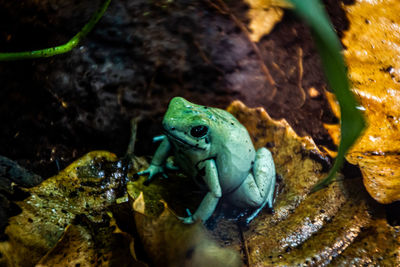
(213, 147)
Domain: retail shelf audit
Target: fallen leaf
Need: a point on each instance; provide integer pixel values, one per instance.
(92, 245)
(372, 49)
(88, 186)
(75, 247)
(169, 242)
(311, 229)
(264, 14)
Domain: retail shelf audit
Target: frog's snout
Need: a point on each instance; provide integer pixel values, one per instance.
(167, 126)
(179, 102)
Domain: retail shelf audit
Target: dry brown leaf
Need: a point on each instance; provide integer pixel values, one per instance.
(264, 14)
(311, 229)
(75, 247)
(92, 246)
(372, 55)
(169, 242)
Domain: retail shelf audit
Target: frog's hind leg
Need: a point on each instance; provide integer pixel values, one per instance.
(264, 175)
(258, 188)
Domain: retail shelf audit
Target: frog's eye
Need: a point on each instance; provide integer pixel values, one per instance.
(199, 131)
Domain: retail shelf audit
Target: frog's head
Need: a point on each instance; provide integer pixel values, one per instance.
(188, 125)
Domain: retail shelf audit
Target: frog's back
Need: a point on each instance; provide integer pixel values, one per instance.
(234, 150)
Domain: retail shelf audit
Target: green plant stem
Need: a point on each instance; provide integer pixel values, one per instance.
(328, 45)
(52, 51)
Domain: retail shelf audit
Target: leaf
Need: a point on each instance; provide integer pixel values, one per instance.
(329, 48)
(104, 245)
(75, 247)
(372, 56)
(169, 242)
(311, 229)
(264, 14)
(88, 186)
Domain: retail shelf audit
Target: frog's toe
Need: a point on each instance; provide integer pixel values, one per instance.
(187, 220)
(143, 172)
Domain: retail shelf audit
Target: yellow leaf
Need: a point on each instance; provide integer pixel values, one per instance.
(372, 55)
(264, 14)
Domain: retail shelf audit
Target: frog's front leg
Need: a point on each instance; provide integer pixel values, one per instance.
(207, 206)
(156, 165)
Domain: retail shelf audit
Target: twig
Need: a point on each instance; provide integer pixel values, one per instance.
(131, 146)
(281, 72)
(204, 57)
(246, 248)
(300, 80)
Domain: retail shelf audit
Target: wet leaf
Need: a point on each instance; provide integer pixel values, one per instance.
(372, 56)
(264, 14)
(85, 189)
(75, 247)
(311, 229)
(92, 246)
(178, 190)
(169, 242)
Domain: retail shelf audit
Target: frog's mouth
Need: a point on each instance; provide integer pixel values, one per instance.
(180, 140)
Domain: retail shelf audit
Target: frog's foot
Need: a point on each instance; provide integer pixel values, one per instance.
(256, 212)
(189, 219)
(152, 171)
(170, 164)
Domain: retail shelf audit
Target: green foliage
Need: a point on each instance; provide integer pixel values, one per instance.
(52, 51)
(328, 45)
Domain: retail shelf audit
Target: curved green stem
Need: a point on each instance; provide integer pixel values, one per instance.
(52, 51)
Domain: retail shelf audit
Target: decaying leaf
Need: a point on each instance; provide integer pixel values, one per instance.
(75, 247)
(169, 242)
(264, 14)
(106, 245)
(88, 187)
(373, 60)
(311, 229)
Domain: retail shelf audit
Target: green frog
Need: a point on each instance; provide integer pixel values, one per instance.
(213, 147)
